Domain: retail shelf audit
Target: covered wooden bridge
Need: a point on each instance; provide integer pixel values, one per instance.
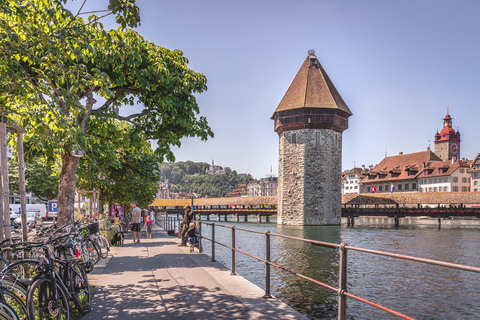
(395, 205)
(221, 207)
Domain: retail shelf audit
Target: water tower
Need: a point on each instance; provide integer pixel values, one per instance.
(309, 121)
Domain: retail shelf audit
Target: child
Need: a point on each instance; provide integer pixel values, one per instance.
(191, 233)
(148, 227)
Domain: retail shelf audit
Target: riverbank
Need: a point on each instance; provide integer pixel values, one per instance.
(157, 279)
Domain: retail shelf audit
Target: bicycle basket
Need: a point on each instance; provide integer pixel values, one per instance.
(93, 228)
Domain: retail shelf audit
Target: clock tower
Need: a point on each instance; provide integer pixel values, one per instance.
(447, 141)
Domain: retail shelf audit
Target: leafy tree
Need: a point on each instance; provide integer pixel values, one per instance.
(42, 179)
(55, 66)
(13, 178)
(135, 178)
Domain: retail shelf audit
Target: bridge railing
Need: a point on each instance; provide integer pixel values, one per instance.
(342, 248)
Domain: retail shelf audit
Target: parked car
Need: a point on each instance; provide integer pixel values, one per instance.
(13, 215)
(31, 217)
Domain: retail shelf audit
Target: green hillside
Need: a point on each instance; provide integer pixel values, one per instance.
(190, 176)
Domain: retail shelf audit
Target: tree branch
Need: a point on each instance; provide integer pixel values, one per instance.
(118, 92)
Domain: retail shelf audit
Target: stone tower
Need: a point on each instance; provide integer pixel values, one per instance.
(309, 121)
(447, 142)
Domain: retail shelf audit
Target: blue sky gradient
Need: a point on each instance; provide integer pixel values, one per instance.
(397, 65)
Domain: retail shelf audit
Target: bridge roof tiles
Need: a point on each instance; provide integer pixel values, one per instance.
(412, 198)
(229, 201)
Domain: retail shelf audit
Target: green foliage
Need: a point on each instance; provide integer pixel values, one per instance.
(54, 65)
(42, 179)
(136, 178)
(191, 177)
(13, 178)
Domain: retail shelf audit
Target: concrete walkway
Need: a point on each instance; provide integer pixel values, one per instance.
(157, 279)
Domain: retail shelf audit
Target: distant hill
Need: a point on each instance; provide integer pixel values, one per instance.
(191, 176)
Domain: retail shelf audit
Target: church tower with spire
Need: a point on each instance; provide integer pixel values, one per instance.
(309, 121)
(447, 141)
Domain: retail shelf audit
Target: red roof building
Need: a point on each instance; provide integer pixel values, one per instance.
(398, 172)
(447, 141)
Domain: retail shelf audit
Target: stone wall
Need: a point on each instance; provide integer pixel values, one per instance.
(309, 183)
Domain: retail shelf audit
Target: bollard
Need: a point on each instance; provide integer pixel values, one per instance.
(233, 251)
(267, 266)
(342, 283)
(200, 247)
(213, 243)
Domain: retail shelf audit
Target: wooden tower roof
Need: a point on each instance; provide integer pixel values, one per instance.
(312, 88)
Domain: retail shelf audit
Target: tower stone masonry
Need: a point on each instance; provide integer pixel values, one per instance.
(310, 120)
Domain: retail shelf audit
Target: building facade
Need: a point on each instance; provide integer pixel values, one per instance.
(351, 180)
(309, 121)
(445, 176)
(398, 173)
(475, 174)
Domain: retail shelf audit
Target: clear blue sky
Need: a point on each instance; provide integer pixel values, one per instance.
(397, 65)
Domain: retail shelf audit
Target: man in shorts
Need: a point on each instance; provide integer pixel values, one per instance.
(136, 221)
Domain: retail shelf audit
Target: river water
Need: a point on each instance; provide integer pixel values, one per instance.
(418, 290)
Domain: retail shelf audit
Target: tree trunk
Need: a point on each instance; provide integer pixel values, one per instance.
(66, 190)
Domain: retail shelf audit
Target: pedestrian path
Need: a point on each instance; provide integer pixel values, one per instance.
(157, 279)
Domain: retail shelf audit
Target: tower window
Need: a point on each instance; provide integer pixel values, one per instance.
(294, 138)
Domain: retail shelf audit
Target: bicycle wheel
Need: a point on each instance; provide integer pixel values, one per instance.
(17, 288)
(102, 243)
(21, 272)
(6, 312)
(80, 290)
(41, 303)
(93, 250)
(15, 302)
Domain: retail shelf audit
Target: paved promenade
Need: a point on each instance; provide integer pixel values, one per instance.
(157, 279)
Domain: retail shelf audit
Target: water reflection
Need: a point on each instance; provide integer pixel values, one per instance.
(312, 261)
(418, 290)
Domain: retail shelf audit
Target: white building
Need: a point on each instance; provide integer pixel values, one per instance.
(445, 176)
(475, 174)
(351, 180)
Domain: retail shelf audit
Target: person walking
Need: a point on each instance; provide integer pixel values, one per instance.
(136, 221)
(148, 226)
(152, 216)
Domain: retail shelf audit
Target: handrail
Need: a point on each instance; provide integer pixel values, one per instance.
(343, 249)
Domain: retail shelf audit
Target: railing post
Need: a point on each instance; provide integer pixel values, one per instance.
(233, 251)
(213, 242)
(342, 283)
(267, 266)
(200, 247)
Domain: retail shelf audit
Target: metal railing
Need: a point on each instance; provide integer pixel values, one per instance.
(173, 223)
(343, 250)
